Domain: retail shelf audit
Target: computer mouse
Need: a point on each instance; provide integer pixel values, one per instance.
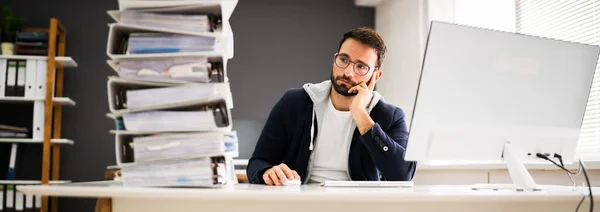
(292, 183)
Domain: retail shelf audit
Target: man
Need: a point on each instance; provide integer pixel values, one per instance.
(339, 129)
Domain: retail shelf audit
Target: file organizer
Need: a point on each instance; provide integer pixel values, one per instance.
(39, 81)
(185, 138)
(12, 200)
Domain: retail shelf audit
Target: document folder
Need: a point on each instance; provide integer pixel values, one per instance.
(194, 172)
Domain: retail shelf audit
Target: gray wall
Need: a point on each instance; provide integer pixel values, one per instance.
(279, 44)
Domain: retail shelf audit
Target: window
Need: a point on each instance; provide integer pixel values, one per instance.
(577, 21)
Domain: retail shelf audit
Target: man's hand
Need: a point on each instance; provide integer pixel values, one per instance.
(358, 106)
(276, 175)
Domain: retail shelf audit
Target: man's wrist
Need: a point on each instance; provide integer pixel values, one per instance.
(363, 121)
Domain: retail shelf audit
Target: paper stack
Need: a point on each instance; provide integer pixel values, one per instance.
(171, 100)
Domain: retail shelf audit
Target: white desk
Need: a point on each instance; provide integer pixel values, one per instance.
(312, 198)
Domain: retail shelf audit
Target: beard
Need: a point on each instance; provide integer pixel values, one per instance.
(342, 89)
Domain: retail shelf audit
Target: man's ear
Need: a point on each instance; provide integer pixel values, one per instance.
(378, 74)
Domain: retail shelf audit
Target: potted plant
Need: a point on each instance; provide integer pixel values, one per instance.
(10, 24)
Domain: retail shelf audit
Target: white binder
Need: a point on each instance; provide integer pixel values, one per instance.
(28, 202)
(118, 86)
(11, 78)
(118, 31)
(170, 146)
(3, 68)
(201, 171)
(38, 120)
(40, 79)
(30, 75)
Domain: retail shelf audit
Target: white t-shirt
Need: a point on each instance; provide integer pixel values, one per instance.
(331, 152)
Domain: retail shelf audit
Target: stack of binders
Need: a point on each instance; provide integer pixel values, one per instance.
(171, 99)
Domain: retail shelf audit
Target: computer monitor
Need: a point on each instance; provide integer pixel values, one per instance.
(494, 96)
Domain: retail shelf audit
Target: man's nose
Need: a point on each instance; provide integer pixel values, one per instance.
(349, 71)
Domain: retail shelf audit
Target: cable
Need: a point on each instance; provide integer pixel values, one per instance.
(581, 167)
(540, 155)
(579, 204)
(587, 180)
(559, 159)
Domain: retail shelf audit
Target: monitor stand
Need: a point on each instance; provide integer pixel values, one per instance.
(522, 180)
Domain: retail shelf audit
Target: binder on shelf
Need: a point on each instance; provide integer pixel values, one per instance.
(172, 70)
(118, 89)
(30, 75)
(3, 71)
(12, 170)
(11, 78)
(38, 120)
(40, 79)
(213, 171)
(20, 85)
(154, 146)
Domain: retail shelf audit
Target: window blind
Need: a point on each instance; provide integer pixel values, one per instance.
(570, 20)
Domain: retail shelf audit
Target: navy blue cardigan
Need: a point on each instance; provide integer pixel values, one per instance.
(376, 155)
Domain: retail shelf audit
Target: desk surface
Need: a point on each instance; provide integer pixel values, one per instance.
(306, 193)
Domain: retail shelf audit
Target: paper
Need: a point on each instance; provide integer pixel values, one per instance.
(169, 95)
(170, 121)
(146, 43)
(197, 171)
(180, 145)
(192, 23)
(189, 69)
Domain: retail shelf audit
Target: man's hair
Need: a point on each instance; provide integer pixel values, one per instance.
(369, 37)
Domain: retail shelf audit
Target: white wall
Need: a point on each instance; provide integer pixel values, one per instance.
(401, 24)
(404, 25)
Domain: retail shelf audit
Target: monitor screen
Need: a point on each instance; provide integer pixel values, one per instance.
(481, 88)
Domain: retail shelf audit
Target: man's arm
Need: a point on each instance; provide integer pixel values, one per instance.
(388, 149)
(271, 144)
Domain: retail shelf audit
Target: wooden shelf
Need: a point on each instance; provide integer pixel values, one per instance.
(36, 141)
(30, 182)
(66, 62)
(19, 99)
(63, 101)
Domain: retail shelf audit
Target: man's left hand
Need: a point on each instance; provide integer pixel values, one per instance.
(358, 106)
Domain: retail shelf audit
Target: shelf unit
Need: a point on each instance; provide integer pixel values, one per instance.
(65, 101)
(47, 106)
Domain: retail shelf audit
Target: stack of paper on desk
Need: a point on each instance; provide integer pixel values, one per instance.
(172, 101)
(192, 23)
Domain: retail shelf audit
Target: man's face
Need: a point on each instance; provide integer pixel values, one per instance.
(356, 56)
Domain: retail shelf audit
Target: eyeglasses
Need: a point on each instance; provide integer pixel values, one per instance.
(343, 61)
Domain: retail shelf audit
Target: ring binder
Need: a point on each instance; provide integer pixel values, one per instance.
(217, 110)
(178, 95)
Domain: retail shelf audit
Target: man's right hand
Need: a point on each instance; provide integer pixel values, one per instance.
(276, 175)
